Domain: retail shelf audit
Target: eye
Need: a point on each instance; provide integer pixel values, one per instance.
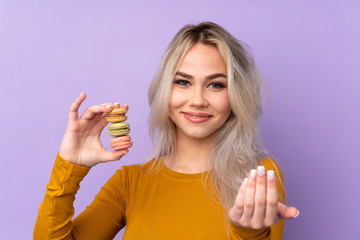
(217, 85)
(182, 82)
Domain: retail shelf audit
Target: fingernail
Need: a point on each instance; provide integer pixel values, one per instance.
(298, 212)
(253, 174)
(108, 106)
(245, 181)
(117, 103)
(261, 170)
(270, 174)
(81, 93)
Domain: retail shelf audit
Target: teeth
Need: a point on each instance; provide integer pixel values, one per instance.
(197, 116)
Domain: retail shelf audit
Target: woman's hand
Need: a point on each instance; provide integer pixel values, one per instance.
(81, 144)
(256, 205)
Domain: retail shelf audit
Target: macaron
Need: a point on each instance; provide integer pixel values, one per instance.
(119, 129)
(121, 143)
(117, 115)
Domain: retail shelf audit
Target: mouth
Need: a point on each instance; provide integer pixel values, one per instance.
(196, 117)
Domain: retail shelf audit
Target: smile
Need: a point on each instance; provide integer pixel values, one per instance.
(195, 117)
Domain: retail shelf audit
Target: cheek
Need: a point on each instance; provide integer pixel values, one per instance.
(222, 104)
(176, 99)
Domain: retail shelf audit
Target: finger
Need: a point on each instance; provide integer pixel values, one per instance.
(260, 198)
(96, 111)
(118, 105)
(114, 105)
(236, 211)
(109, 156)
(74, 108)
(271, 216)
(249, 201)
(287, 212)
(108, 106)
(110, 103)
(100, 125)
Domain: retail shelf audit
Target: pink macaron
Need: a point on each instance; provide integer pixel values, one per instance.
(121, 143)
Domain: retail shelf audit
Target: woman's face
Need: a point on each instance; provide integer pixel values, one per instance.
(199, 102)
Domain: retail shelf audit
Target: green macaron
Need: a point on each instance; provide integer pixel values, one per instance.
(119, 129)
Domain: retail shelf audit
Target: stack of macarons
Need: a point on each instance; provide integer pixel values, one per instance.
(118, 129)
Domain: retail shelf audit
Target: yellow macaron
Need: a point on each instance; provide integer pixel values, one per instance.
(117, 115)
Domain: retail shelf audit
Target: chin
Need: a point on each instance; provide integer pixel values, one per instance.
(199, 134)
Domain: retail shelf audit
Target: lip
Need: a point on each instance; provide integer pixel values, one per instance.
(197, 117)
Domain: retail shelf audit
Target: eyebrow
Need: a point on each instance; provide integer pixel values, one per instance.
(210, 77)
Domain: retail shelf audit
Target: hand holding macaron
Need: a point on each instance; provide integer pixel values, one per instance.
(81, 144)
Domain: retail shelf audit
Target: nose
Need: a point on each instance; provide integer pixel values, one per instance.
(198, 98)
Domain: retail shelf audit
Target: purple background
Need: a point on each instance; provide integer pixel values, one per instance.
(308, 54)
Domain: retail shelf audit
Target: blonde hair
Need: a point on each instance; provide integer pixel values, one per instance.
(236, 148)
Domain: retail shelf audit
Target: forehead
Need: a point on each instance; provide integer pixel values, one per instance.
(202, 59)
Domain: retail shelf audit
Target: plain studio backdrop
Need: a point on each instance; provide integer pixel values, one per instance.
(307, 52)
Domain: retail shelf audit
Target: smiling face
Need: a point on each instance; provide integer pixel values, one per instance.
(199, 102)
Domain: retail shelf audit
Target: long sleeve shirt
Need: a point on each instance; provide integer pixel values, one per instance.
(158, 205)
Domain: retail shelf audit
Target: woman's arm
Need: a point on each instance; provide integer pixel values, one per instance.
(82, 149)
(102, 219)
(56, 211)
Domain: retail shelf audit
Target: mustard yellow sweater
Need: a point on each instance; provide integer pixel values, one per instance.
(165, 205)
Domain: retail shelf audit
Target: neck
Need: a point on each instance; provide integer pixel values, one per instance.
(191, 155)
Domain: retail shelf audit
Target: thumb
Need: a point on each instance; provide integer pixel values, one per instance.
(126, 106)
(287, 212)
(109, 156)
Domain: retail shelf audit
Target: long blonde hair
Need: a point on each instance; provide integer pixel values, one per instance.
(236, 148)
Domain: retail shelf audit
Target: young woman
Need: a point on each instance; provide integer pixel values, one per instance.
(208, 177)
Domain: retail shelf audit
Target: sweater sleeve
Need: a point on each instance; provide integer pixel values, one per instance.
(102, 219)
(239, 233)
(274, 232)
(106, 215)
(56, 211)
